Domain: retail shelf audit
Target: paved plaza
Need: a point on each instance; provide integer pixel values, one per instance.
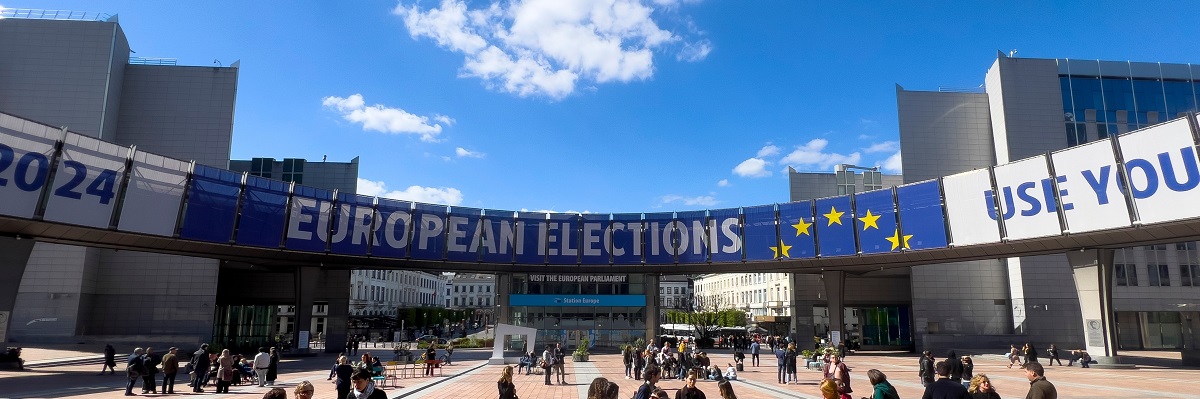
(1157, 376)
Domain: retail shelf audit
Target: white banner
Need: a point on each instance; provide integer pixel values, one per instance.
(25, 152)
(1163, 173)
(968, 209)
(86, 182)
(1027, 199)
(1089, 189)
(156, 186)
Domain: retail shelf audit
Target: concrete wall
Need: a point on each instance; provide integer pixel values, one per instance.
(180, 112)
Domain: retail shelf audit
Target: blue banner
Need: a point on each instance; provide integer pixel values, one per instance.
(576, 300)
(394, 232)
(429, 232)
(563, 239)
(530, 246)
(877, 229)
(921, 216)
(463, 234)
(691, 237)
(498, 234)
(659, 230)
(796, 230)
(628, 241)
(762, 239)
(352, 224)
(596, 239)
(727, 245)
(835, 226)
(264, 208)
(308, 219)
(211, 205)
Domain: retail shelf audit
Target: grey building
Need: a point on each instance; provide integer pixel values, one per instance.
(341, 176)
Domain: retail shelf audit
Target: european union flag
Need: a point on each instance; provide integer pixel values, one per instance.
(796, 230)
(921, 216)
(762, 241)
(876, 222)
(835, 226)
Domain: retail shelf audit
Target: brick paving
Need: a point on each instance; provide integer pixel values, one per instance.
(1158, 376)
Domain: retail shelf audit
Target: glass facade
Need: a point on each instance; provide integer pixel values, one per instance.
(604, 326)
(244, 327)
(886, 326)
(1097, 105)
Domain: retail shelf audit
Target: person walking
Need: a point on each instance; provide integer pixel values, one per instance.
(200, 365)
(944, 387)
(225, 371)
(134, 369)
(1014, 356)
(262, 361)
(170, 367)
(110, 360)
(689, 390)
(955, 365)
(505, 384)
(273, 368)
(1039, 386)
(1052, 356)
(754, 353)
(344, 374)
(150, 379)
(882, 388)
(1031, 354)
(926, 371)
(981, 388)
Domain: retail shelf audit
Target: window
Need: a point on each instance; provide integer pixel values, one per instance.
(1126, 275)
(293, 170)
(1189, 275)
(1158, 275)
(262, 167)
(1185, 246)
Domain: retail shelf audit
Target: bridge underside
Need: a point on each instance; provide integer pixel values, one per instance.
(53, 232)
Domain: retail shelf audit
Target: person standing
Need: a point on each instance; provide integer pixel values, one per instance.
(505, 384)
(627, 358)
(840, 372)
(273, 369)
(1031, 354)
(639, 363)
(968, 370)
(262, 361)
(1039, 386)
(170, 367)
(781, 364)
(430, 358)
(305, 390)
(689, 390)
(364, 387)
(150, 379)
(944, 387)
(1052, 356)
(726, 390)
(981, 388)
(110, 360)
(560, 360)
(548, 362)
(344, 373)
(200, 365)
(754, 353)
(926, 371)
(647, 389)
(225, 371)
(134, 369)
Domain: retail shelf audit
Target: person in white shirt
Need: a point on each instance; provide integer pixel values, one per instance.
(731, 373)
(262, 361)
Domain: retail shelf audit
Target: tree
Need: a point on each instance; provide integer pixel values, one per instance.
(710, 313)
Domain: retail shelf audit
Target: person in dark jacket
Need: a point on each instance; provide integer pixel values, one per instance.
(344, 375)
(1031, 354)
(1039, 386)
(882, 388)
(647, 389)
(955, 366)
(134, 367)
(981, 388)
(944, 387)
(149, 381)
(1052, 356)
(110, 360)
(689, 390)
(926, 371)
(627, 358)
(505, 384)
(273, 368)
(781, 364)
(363, 387)
(200, 365)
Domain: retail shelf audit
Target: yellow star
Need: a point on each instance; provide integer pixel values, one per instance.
(782, 251)
(802, 227)
(869, 220)
(834, 216)
(896, 240)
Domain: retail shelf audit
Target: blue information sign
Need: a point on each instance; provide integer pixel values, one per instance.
(576, 300)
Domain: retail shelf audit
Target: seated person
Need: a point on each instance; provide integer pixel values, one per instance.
(376, 367)
(525, 363)
(731, 373)
(714, 372)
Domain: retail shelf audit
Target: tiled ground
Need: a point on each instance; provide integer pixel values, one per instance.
(470, 378)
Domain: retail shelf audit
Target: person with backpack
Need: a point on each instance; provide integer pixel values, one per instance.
(135, 368)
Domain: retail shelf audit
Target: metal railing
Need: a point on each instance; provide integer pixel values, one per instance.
(152, 61)
(61, 15)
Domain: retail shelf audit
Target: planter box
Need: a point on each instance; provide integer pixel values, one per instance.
(579, 358)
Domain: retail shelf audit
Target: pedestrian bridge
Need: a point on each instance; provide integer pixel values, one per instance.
(1134, 189)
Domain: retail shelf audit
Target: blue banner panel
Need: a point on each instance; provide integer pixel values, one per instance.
(921, 218)
(499, 231)
(877, 229)
(576, 300)
(762, 239)
(835, 226)
(429, 232)
(660, 228)
(264, 208)
(727, 236)
(211, 205)
(562, 234)
(796, 230)
(463, 234)
(308, 219)
(691, 237)
(628, 235)
(530, 243)
(352, 224)
(394, 229)
(595, 239)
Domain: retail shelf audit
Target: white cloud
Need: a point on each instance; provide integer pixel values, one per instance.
(767, 151)
(547, 47)
(893, 164)
(702, 200)
(465, 153)
(383, 119)
(886, 146)
(723, 183)
(446, 120)
(813, 154)
(753, 167)
(430, 195)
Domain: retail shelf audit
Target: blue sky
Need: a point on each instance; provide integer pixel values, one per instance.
(613, 105)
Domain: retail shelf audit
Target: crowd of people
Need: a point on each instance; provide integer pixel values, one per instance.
(205, 368)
